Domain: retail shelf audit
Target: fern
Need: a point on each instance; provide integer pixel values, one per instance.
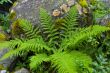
(47, 25)
(59, 30)
(37, 60)
(67, 62)
(56, 30)
(37, 45)
(83, 61)
(71, 20)
(46, 21)
(75, 38)
(54, 44)
(10, 44)
(22, 26)
(62, 61)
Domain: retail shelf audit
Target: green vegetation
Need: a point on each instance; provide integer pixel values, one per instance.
(5, 1)
(59, 44)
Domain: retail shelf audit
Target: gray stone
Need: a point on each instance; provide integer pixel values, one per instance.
(29, 9)
(22, 70)
(3, 71)
(6, 63)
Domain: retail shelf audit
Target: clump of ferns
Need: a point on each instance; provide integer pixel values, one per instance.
(54, 45)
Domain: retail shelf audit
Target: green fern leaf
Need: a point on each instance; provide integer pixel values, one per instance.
(69, 62)
(70, 19)
(82, 60)
(46, 21)
(75, 38)
(10, 44)
(48, 26)
(63, 63)
(37, 60)
(36, 45)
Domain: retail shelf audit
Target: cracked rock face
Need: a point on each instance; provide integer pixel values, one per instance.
(29, 9)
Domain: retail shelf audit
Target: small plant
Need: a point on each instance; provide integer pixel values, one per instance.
(101, 65)
(5, 22)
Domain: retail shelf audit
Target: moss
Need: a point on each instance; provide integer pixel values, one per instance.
(1, 67)
(2, 37)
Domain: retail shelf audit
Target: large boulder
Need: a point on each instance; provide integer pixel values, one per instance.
(29, 9)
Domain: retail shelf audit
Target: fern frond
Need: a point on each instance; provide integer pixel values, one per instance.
(47, 26)
(9, 54)
(63, 63)
(37, 60)
(37, 45)
(10, 44)
(58, 31)
(70, 19)
(46, 19)
(46, 22)
(83, 60)
(69, 63)
(22, 26)
(76, 38)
